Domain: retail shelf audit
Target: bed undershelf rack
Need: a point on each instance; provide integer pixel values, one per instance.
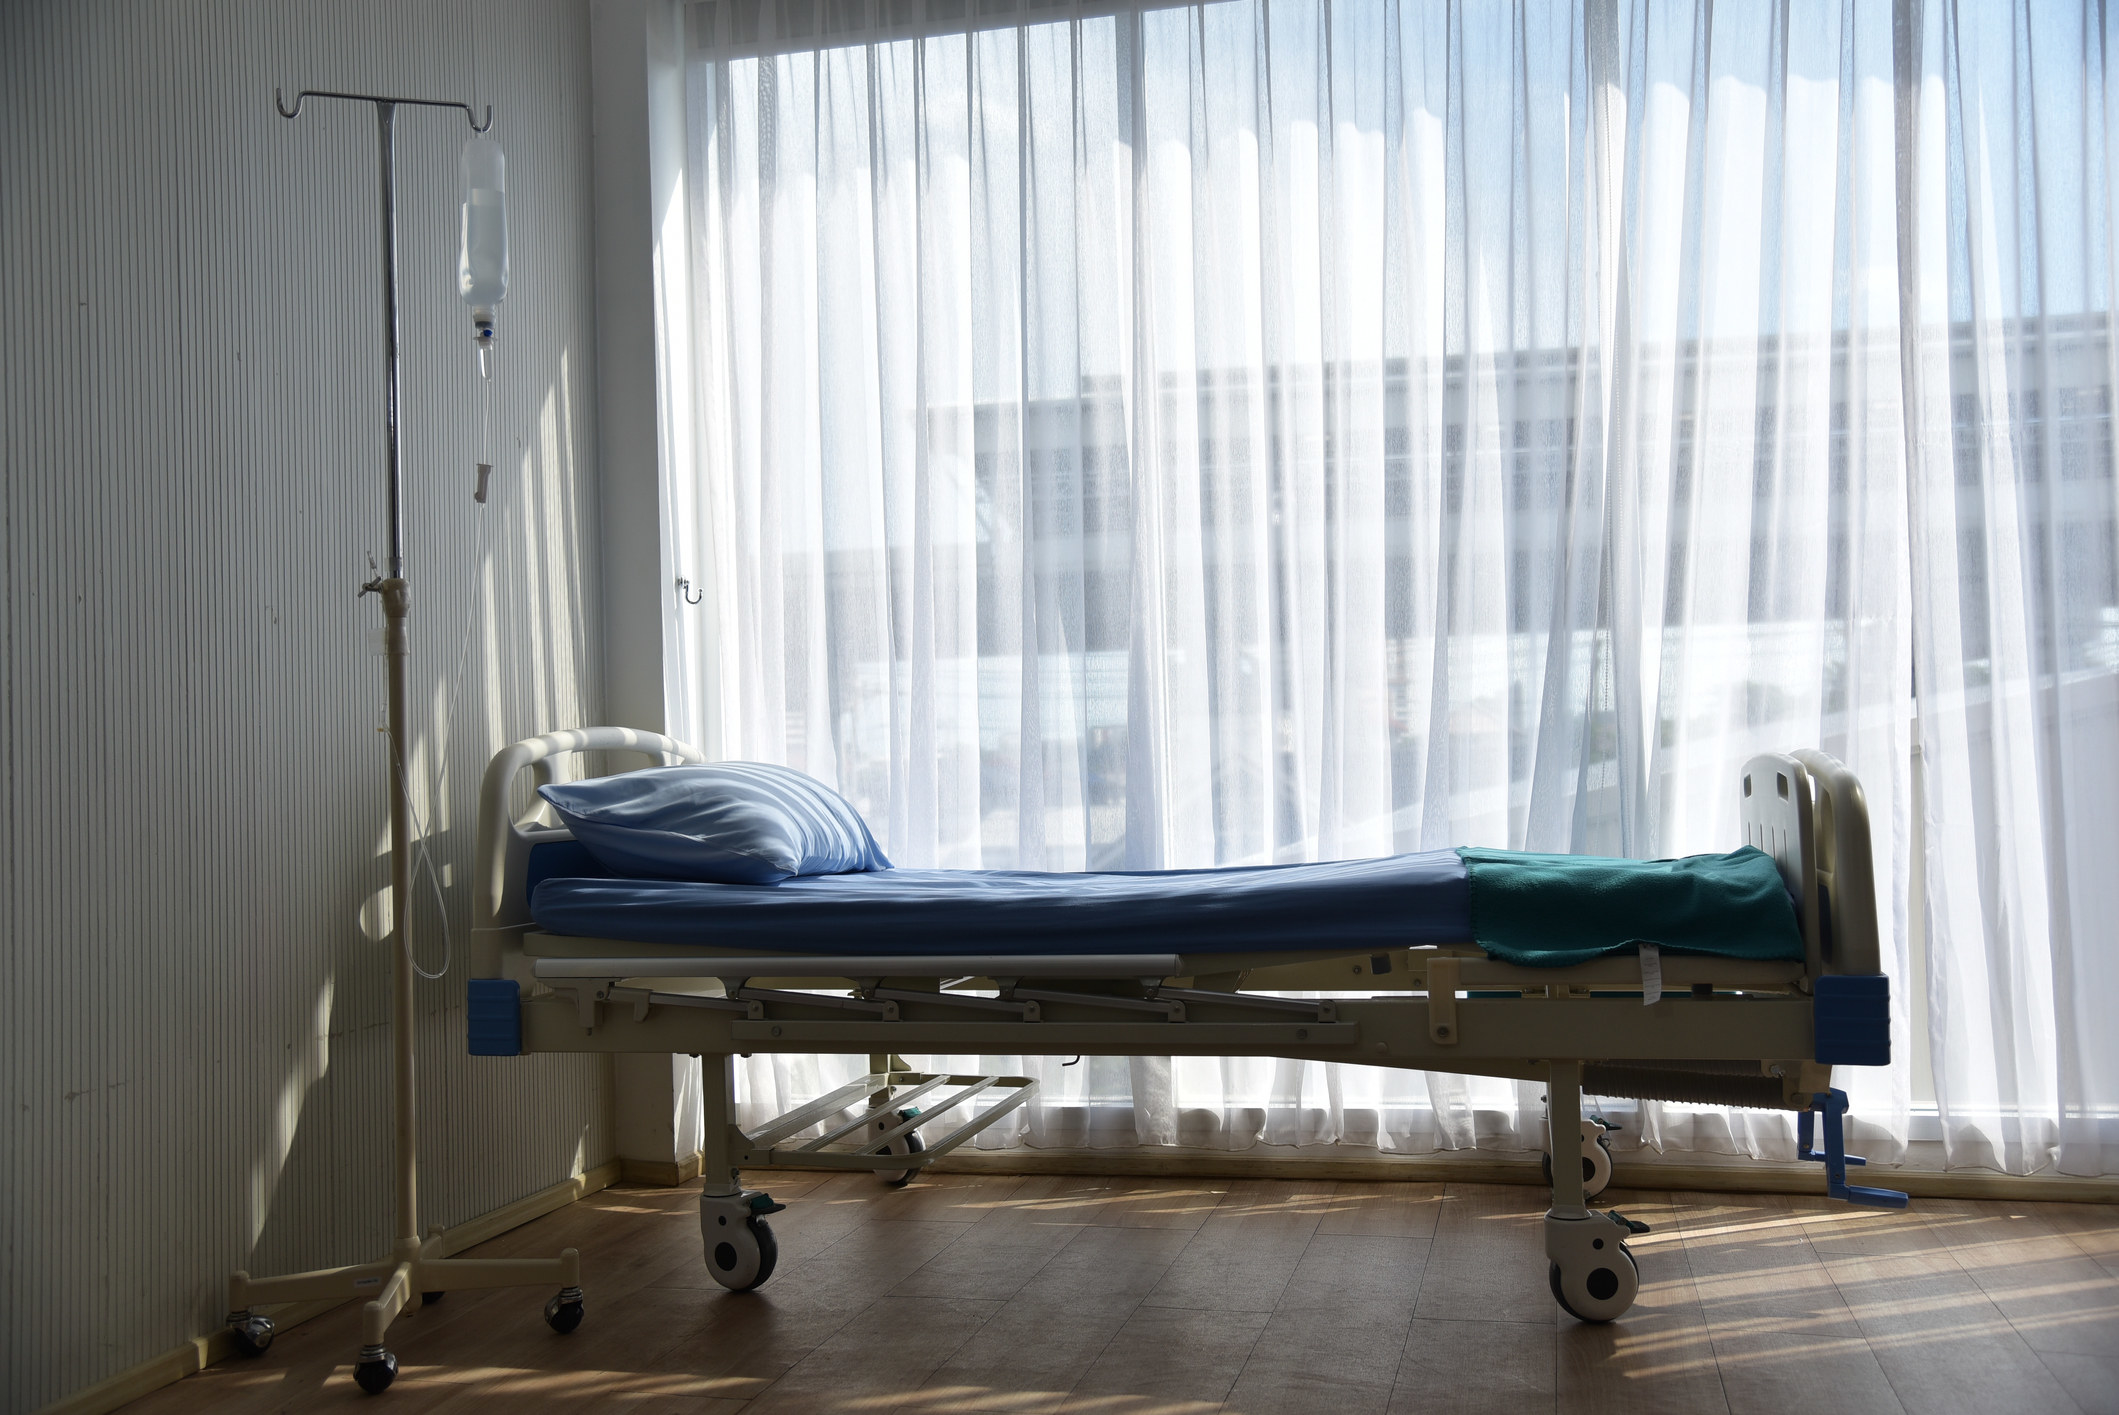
(889, 1126)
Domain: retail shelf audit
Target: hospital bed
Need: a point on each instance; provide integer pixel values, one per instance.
(1205, 971)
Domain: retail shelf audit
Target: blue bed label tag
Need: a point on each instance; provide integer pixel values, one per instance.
(1651, 975)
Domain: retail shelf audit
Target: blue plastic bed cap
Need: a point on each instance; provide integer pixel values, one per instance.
(494, 1017)
(1864, 985)
(1852, 1016)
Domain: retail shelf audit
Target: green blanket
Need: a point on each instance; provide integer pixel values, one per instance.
(1551, 911)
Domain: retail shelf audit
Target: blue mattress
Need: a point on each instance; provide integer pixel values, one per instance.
(1539, 910)
(1346, 905)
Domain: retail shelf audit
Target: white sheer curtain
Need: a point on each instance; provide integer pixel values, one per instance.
(2008, 272)
(1282, 431)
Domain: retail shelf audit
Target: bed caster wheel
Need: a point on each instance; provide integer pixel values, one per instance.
(1593, 1274)
(252, 1334)
(376, 1370)
(1596, 1169)
(1599, 1293)
(564, 1312)
(745, 1257)
(907, 1144)
(740, 1249)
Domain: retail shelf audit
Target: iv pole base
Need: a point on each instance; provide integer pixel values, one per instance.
(395, 1287)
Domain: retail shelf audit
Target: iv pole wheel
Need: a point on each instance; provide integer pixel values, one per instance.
(252, 1334)
(376, 1370)
(565, 1311)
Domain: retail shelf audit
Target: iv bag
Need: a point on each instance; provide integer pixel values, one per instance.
(482, 262)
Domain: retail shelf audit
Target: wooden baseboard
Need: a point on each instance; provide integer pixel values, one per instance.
(129, 1385)
(1477, 1169)
(667, 1174)
(530, 1206)
(203, 1351)
(1919, 1183)
(1162, 1163)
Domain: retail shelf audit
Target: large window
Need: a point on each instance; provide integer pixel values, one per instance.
(1251, 431)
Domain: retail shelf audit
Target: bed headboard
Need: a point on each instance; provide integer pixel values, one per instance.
(1807, 811)
(504, 842)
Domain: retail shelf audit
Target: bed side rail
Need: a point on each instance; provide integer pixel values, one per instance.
(504, 842)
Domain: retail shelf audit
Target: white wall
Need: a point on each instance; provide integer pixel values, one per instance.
(634, 53)
(192, 1037)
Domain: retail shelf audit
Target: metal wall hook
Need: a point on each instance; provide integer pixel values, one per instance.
(279, 102)
(684, 591)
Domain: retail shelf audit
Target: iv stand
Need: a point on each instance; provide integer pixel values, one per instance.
(415, 1272)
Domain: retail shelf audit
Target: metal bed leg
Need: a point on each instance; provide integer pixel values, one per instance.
(740, 1248)
(717, 1094)
(1563, 1116)
(1591, 1270)
(882, 1118)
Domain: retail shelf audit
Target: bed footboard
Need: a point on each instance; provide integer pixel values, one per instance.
(1845, 868)
(1807, 811)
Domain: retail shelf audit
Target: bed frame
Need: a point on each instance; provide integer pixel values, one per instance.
(1724, 1031)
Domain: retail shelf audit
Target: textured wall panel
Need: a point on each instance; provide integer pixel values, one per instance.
(194, 1051)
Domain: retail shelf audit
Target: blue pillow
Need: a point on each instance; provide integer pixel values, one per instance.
(729, 823)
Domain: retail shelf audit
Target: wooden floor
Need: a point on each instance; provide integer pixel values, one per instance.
(975, 1293)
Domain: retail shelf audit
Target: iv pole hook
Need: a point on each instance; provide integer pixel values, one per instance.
(279, 102)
